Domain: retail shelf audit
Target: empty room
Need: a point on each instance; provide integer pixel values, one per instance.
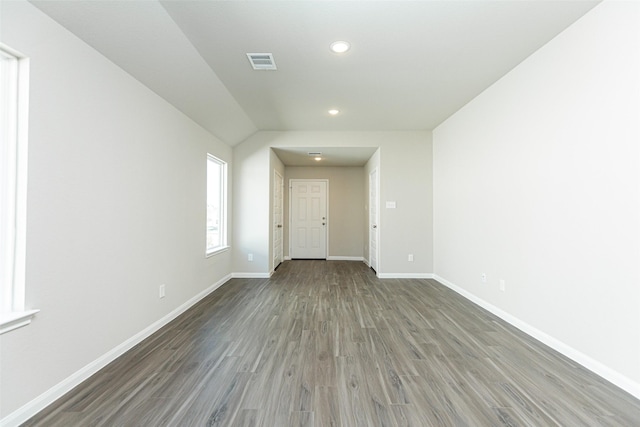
(320, 213)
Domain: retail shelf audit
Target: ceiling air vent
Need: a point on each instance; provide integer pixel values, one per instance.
(314, 153)
(262, 61)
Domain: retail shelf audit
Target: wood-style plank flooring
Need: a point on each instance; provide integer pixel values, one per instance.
(326, 343)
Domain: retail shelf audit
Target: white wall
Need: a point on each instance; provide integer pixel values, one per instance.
(405, 177)
(537, 182)
(252, 209)
(116, 206)
(346, 207)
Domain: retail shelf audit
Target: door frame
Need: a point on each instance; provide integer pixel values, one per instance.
(375, 209)
(326, 229)
(275, 175)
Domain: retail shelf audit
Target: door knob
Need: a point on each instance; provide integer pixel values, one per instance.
(279, 225)
(374, 226)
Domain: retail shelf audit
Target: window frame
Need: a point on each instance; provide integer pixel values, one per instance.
(222, 213)
(14, 111)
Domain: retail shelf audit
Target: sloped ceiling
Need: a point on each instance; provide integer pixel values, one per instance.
(411, 63)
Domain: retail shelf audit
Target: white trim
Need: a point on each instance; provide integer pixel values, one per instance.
(405, 275)
(287, 258)
(223, 185)
(22, 153)
(275, 225)
(251, 275)
(378, 220)
(216, 251)
(13, 244)
(15, 320)
(588, 362)
(345, 258)
(30, 409)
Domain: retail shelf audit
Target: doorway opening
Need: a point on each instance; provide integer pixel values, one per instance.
(309, 221)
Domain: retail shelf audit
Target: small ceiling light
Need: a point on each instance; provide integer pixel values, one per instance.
(334, 112)
(317, 159)
(340, 46)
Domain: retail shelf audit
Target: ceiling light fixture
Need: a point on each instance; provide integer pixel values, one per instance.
(334, 112)
(340, 46)
(317, 159)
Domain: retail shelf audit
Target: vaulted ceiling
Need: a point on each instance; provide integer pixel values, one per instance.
(411, 63)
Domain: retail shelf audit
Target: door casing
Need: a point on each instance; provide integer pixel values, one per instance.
(374, 219)
(278, 219)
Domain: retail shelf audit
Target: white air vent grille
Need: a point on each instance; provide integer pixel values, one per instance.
(262, 61)
(314, 153)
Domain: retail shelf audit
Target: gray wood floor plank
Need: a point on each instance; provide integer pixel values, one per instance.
(326, 343)
(352, 393)
(246, 418)
(301, 419)
(326, 407)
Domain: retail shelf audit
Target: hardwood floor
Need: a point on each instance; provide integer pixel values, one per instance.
(326, 343)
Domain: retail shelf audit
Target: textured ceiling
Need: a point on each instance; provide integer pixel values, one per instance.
(412, 63)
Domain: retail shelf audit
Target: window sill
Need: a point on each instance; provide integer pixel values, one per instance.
(217, 251)
(15, 320)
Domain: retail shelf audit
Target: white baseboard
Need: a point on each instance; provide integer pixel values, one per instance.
(405, 275)
(345, 258)
(250, 275)
(591, 364)
(30, 409)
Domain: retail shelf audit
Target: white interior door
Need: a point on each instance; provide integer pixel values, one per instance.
(309, 220)
(278, 216)
(373, 219)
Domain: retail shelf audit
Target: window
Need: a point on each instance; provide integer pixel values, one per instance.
(216, 204)
(14, 69)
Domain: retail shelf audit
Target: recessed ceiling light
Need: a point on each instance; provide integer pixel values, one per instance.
(340, 46)
(317, 159)
(334, 112)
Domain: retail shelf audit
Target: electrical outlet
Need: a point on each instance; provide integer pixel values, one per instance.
(483, 277)
(503, 285)
(250, 257)
(161, 291)
(410, 258)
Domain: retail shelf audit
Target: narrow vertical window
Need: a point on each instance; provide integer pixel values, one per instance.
(14, 76)
(216, 204)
